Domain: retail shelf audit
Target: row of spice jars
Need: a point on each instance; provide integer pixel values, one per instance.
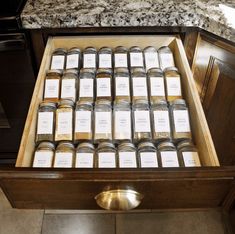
(126, 155)
(120, 123)
(153, 86)
(147, 58)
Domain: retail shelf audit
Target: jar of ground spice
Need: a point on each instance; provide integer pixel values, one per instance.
(73, 59)
(151, 58)
(120, 57)
(90, 58)
(136, 57)
(105, 57)
(58, 59)
(166, 57)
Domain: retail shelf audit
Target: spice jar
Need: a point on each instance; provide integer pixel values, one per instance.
(83, 121)
(161, 121)
(103, 121)
(44, 154)
(120, 57)
(86, 85)
(90, 57)
(156, 85)
(52, 85)
(136, 57)
(58, 59)
(188, 154)
(173, 83)
(151, 58)
(73, 60)
(168, 154)
(180, 120)
(85, 155)
(166, 58)
(45, 121)
(105, 57)
(122, 84)
(64, 155)
(106, 155)
(139, 84)
(142, 126)
(104, 84)
(69, 84)
(64, 121)
(147, 155)
(122, 130)
(127, 155)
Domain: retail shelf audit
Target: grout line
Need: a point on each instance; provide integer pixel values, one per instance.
(42, 220)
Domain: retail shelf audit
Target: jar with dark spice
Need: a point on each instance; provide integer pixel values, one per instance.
(105, 57)
(166, 57)
(120, 57)
(136, 57)
(151, 58)
(90, 58)
(58, 59)
(73, 60)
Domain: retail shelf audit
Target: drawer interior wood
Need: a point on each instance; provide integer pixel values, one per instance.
(199, 126)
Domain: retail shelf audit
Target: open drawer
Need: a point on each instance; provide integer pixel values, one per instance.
(208, 186)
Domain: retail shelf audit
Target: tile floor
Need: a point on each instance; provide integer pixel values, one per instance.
(13, 221)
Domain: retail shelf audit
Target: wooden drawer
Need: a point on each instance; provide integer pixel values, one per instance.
(28, 187)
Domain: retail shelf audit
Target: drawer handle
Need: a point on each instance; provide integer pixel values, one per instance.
(119, 199)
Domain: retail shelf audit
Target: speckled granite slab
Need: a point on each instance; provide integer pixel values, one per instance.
(214, 16)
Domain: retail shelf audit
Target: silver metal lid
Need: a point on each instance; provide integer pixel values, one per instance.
(90, 49)
(106, 144)
(185, 143)
(66, 144)
(59, 50)
(71, 71)
(48, 104)
(84, 103)
(104, 71)
(120, 49)
(121, 70)
(85, 145)
(66, 103)
(105, 49)
(160, 102)
(140, 102)
(136, 48)
(146, 144)
(103, 102)
(155, 72)
(166, 144)
(52, 71)
(164, 49)
(127, 144)
(178, 102)
(150, 48)
(87, 70)
(74, 49)
(138, 70)
(121, 102)
(46, 144)
(169, 69)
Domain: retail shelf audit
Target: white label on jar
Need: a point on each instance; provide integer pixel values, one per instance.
(136, 59)
(127, 160)
(169, 159)
(142, 121)
(191, 159)
(106, 160)
(167, 60)
(123, 123)
(105, 61)
(52, 88)
(43, 159)
(103, 122)
(89, 60)
(72, 61)
(68, 89)
(84, 160)
(161, 121)
(63, 160)
(151, 60)
(173, 86)
(86, 88)
(45, 123)
(103, 87)
(139, 87)
(181, 121)
(57, 62)
(65, 122)
(83, 121)
(148, 159)
(120, 60)
(122, 86)
(157, 86)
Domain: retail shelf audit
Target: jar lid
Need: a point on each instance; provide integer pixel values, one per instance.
(90, 49)
(146, 144)
(154, 71)
(84, 103)
(120, 49)
(104, 70)
(71, 71)
(126, 144)
(85, 144)
(178, 102)
(66, 103)
(160, 102)
(103, 102)
(164, 49)
(123, 102)
(185, 143)
(52, 71)
(141, 102)
(121, 70)
(87, 70)
(46, 144)
(60, 50)
(74, 49)
(106, 144)
(169, 69)
(135, 48)
(138, 70)
(48, 104)
(66, 144)
(150, 48)
(105, 49)
(165, 144)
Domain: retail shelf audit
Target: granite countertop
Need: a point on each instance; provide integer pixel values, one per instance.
(215, 16)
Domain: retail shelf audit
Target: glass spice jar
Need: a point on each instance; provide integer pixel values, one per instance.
(168, 154)
(188, 154)
(64, 121)
(147, 155)
(139, 84)
(73, 60)
(69, 84)
(151, 58)
(85, 155)
(58, 59)
(141, 123)
(122, 84)
(127, 155)
(44, 154)
(90, 57)
(105, 57)
(136, 57)
(166, 57)
(161, 121)
(64, 155)
(52, 85)
(180, 120)
(106, 155)
(122, 130)
(120, 57)
(86, 85)
(156, 85)
(173, 83)
(103, 121)
(83, 121)
(45, 122)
